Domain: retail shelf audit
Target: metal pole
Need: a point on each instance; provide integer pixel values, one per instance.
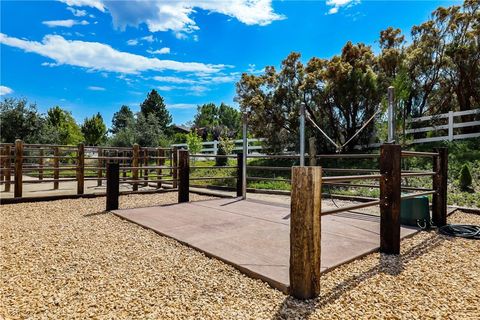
(245, 151)
(391, 115)
(302, 134)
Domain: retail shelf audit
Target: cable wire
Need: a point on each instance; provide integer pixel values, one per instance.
(461, 230)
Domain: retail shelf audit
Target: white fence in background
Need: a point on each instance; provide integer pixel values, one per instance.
(211, 147)
(449, 127)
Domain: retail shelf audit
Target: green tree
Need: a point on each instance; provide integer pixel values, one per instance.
(94, 130)
(465, 178)
(64, 125)
(194, 142)
(229, 118)
(21, 120)
(154, 105)
(122, 119)
(148, 131)
(207, 116)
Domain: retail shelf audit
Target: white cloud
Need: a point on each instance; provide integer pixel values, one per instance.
(149, 38)
(5, 90)
(77, 12)
(177, 16)
(202, 80)
(95, 88)
(102, 57)
(132, 42)
(182, 106)
(64, 23)
(337, 4)
(163, 50)
(98, 4)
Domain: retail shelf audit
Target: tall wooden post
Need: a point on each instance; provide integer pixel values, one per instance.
(40, 165)
(124, 161)
(439, 203)
(2, 164)
(136, 150)
(239, 174)
(183, 176)
(160, 162)
(305, 232)
(390, 196)
(99, 166)
(312, 152)
(174, 164)
(80, 168)
(113, 185)
(18, 168)
(8, 168)
(56, 165)
(145, 164)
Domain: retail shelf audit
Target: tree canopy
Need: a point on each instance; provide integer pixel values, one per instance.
(154, 105)
(94, 130)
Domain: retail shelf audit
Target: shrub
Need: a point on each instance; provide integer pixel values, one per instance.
(224, 147)
(465, 178)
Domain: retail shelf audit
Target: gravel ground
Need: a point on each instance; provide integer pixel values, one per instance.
(68, 259)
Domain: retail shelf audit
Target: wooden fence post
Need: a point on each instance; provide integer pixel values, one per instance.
(136, 150)
(124, 161)
(239, 174)
(175, 165)
(56, 165)
(390, 196)
(80, 168)
(8, 168)
(113, 185)
(2, 164)
(305, 232)
(145, 164)
(40, 165)
(439, 201)
(100, 166)
(18, 168)
(312, 151)
(160, 162)
(183, 176)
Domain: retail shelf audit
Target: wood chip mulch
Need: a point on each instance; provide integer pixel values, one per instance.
(69, 260)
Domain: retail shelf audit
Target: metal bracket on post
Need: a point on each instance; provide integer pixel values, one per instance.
(245, 154)
(391, 115)
(302, 134)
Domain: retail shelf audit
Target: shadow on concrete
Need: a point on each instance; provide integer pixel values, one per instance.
(388, 264)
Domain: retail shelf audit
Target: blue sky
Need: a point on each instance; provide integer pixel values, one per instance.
(93, 56)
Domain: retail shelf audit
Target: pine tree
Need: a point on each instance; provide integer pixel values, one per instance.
(155, 105)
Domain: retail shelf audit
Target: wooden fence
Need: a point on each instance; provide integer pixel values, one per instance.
(55, 164)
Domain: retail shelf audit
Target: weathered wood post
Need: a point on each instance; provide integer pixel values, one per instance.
(2, 164)
(99, 166)
(239, 174)
(145, 164)
(56, 165)
(81, 169)
(124, 161)
(113, 185)
(136, 150)
(312, 151)
(40, 164)
(18, 168)
(183, 176)
(174, 164)
(160, 162)
(439, 201)
(305, 232)
(8, 168)
(390, 196)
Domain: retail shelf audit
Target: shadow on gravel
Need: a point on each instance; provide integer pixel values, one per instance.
(388, 264)
(93, 214)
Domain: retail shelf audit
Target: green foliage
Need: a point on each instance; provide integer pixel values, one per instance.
(122, 119)
(94, 130)
(20, 120)
(194, 142)
(216, 121)
(154, 105)
(225, 147)
(148, 130)
(64, 127)
(465, 178)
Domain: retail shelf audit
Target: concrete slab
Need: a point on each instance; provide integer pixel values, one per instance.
(253, 235)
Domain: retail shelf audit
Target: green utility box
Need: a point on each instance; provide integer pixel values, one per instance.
(415, 212)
